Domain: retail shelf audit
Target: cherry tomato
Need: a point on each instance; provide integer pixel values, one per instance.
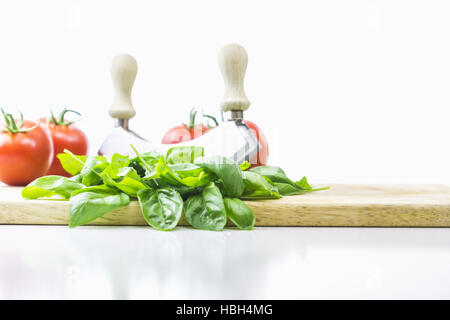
(263, 154)
(64, 136)
(26, 151)
(186, 132)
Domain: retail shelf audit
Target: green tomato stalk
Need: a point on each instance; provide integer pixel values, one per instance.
(60, 120)
(192, 116)
(12, 126)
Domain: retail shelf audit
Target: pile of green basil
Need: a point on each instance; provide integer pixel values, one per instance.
(207, 189)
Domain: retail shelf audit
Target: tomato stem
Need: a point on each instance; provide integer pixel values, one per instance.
(60, 121)
(193, 114)
(12, 126)
(212, 118)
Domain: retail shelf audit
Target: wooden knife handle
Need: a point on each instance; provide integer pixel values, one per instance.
(233, 61)
(123, 74)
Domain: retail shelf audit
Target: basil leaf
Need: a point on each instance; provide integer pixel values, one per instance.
(289, 190)
(275, 174)
(186, 191)
(258, 187)
(145, 163)
(151, 157)
(285, 186)
(206, 210)
(138, 167)
(245, 165)
(184, 154)
(185, 174)
(117, 162)
(91, 203)
(128, 172)
(165, 172)
(99, 188)
(161, 208)
(191, 175)
(186, 168)
(92, 169)
(71, 163)
(239, 213)
(76, 178)
(303, 184)
(156, 183)
(50, 186)
(125, 184)
(225, 169)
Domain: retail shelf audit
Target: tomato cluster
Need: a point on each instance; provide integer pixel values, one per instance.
(28, 149)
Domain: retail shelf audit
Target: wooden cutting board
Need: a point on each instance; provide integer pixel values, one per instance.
(342, 205)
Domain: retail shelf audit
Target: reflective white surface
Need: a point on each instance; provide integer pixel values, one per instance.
(52, 262)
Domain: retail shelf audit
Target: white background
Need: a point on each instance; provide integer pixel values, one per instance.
(345, 91)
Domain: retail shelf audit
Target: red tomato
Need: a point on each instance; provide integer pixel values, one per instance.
(65, 136)
(24, 156)
(263, 154)
(183, 133)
